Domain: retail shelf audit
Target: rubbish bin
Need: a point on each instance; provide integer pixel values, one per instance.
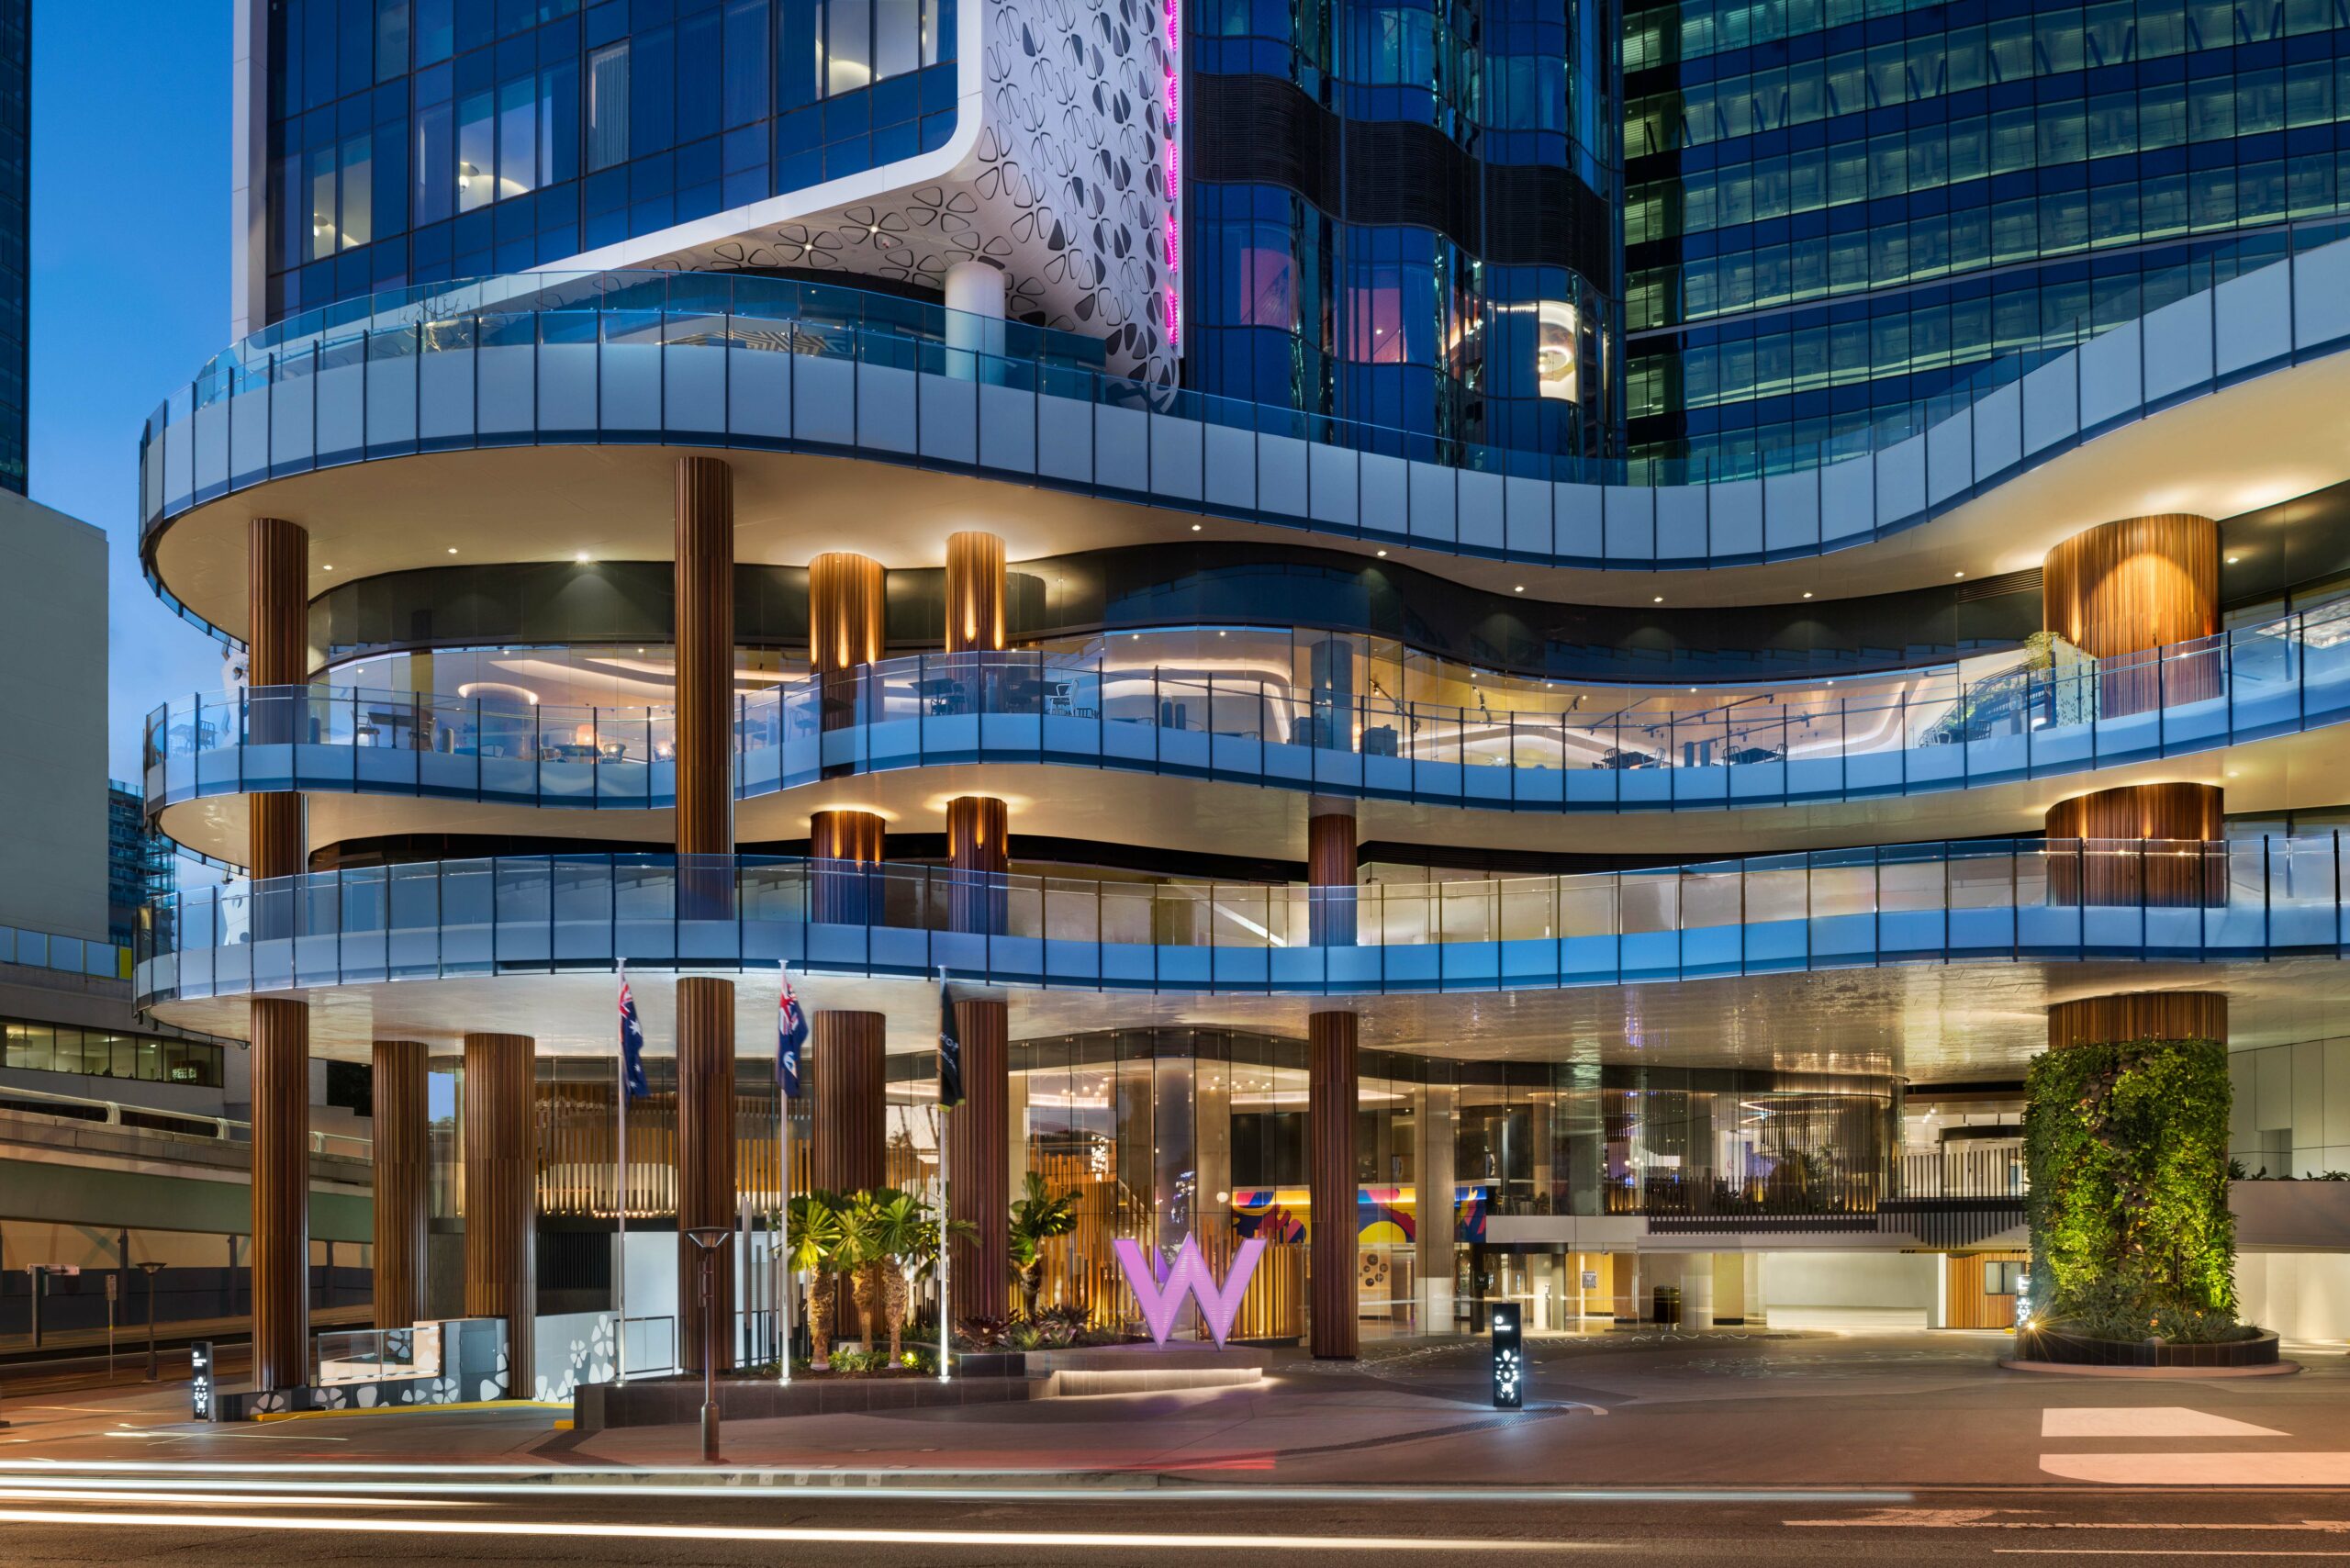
(1668, 1304)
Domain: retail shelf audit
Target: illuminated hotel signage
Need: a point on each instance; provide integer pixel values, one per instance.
(1509, 1364)
(1174, 14)
(199, 1379)
(1159, 1286)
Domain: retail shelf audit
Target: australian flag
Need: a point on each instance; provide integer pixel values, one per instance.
(950, 1049)
(791, 1036)
(632, 1042)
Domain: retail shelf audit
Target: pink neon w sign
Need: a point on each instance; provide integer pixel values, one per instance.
(1159, 1286)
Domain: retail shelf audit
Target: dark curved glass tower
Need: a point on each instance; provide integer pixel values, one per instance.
(1405, 215)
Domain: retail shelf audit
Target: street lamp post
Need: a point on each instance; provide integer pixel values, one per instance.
(151, 1269)
(709, 1238)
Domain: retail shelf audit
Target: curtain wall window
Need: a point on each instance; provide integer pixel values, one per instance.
(608, 91)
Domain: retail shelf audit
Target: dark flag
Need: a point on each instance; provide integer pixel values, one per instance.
(950, 1049)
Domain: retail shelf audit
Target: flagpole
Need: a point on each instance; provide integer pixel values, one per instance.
(945, 1213)
(619, 1170)
(788, 1286)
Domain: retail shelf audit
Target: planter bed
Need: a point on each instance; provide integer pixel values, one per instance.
(2055, 1349)
(671, 1402)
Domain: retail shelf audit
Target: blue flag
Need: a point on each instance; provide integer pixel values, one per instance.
(790, 1035)
(632, 1042)
(950, 1050)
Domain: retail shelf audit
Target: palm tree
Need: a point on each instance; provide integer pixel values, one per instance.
(1036, 1217)
(860, 1253)
(904, 1234)
(816, 1235)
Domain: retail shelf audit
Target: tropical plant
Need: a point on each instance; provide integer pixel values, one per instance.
(895, 1242)
(816, 1235)
(1036, 1217)
(2129, 1223)
(1060, 1327)
(984, 1333)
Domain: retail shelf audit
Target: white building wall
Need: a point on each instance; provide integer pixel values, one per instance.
(53, 722)
(1848, 1290)
(2302, 1295)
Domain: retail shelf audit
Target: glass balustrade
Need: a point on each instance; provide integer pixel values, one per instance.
(1979, 722)
(624, 356)
(1984, 899)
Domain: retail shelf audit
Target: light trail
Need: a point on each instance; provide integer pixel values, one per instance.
(88, 1492)
(1089, 1541)
(801, 1485)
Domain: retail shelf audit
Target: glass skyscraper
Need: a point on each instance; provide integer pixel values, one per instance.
(1837, 209)
(15, 223)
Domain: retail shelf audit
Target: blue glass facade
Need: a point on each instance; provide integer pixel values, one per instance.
(1404, 214)
(417, 140)
(16, 269)
(1836, 207)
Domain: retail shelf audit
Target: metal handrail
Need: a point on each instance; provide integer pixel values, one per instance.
(225, 1129)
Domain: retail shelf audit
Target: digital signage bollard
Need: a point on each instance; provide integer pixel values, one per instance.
(1509, 1365)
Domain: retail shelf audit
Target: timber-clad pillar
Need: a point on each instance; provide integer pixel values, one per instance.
(501, 1169)
(1330, 877)
(844, 849)
(277, 583)
(2159, 844)
(845, 629)
(851, 1112)
(1330, 1181)
(705, 1158)
(978, 851)
(2126, 589)
(705, 618)
(975, 575)
(705, 1016)
(403, 1169)
(2139, 1015)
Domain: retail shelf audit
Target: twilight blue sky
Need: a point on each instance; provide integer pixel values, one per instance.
(129, 288)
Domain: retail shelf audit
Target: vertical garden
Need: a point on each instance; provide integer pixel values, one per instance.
(2126, 1132)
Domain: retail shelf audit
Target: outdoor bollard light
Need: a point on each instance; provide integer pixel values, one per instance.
(151, 1269)
(1509, 1367)
(710, 1239)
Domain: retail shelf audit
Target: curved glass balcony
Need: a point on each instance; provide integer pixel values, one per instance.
(2001, 901)
(708, 359)
(1946, 728)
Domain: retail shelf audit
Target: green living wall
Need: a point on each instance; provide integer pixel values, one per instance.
(2128, 1146)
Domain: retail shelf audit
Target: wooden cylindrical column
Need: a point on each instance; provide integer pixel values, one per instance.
(2139, 1015)
(403, 1170)
(2160, 845)
(979, 1160)
(975, 620)
(1330, 877)
(278, 599)
(2130, 586)
(851, 1111)
(843, 848)
(978, 851)
(501, 1195)
(281, 1192)
(845, 629)
(277, 585)
(704, 573)
(1330, 1181)
(705, 1161)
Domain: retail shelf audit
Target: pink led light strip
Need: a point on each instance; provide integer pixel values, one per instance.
(1174, 10)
